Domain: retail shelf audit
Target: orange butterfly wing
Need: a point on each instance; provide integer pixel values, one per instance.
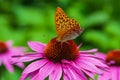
(66, 28)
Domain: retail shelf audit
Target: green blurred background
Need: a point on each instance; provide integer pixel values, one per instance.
(33, 20)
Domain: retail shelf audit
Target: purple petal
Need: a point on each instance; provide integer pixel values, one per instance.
(8, 65)
(44, 71)
(34, 66)
(27, 57)
(37, 46)
(57, 73)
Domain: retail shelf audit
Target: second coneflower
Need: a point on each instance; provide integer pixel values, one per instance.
(113, 60)
(61, 58)
(6, 52)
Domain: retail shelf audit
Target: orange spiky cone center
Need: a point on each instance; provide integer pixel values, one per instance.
(56, 51)
(3, 47)
(114, 55)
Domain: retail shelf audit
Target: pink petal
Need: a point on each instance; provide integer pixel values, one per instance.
(114, 73)
(95, 61)
(70, 73)
(88, 66)
(101, 55)
(88, 73)
(18, 50)
(119, 72)
(105, 76)
(89, 51)
(9, 43)
(79, 45)
(91, 75)
(66, 73)
(57, 73)
(27, 57)
(36, 77)
(77, 70)
(35, 66)
(44, 71)
(65, 61)
(0, 62)
(24, 76)
(37, 46)
(79, 74)
(8, 65)
(87, 55)
(21, 65)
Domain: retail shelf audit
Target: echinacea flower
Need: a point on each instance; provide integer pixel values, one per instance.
(113, 60)
(58, 61)
(6, 53)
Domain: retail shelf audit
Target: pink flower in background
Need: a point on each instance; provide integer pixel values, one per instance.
(6, 53)
(113, 60)
(57, 61)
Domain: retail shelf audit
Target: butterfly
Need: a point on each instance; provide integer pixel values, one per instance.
(67, 28)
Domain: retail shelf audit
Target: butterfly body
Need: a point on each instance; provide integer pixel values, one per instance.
(66, 27)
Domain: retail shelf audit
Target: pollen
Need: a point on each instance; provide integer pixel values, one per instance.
(56, 51)
(3, 47)
(114, 55)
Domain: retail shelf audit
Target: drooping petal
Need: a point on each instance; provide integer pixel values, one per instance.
(45, 71)
(35, 66)
(57, 73)
(8, 65)
(37, 46)
(18, 50)
(27, 57)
